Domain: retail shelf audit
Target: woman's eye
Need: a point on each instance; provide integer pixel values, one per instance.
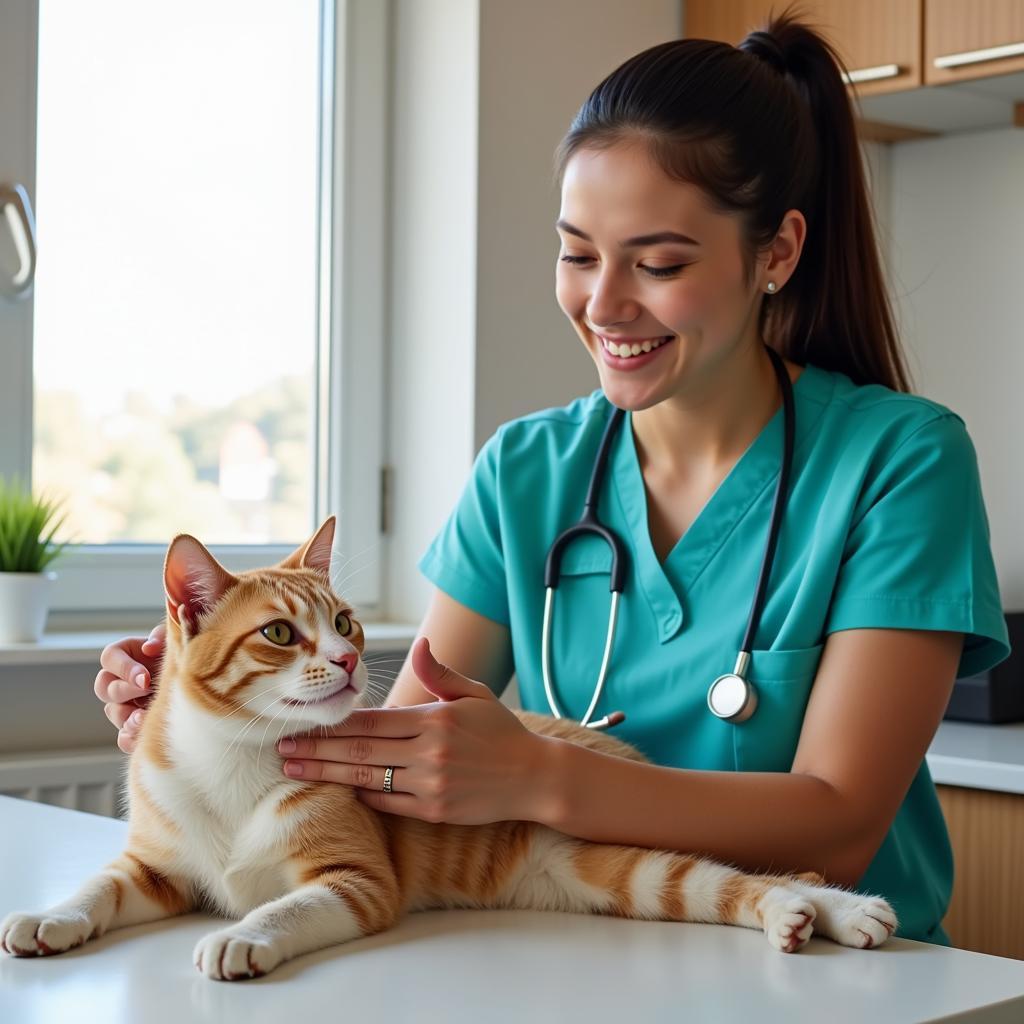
(652, 271)
(343, 624)
(278, 633)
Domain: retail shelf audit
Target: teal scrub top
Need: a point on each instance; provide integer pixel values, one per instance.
(885, 527)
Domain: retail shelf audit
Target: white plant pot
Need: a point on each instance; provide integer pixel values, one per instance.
(24, 602)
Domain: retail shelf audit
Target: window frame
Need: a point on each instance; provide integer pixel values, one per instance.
(120, 585)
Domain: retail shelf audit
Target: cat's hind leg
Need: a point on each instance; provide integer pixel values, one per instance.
(562, 873)
(130, 890)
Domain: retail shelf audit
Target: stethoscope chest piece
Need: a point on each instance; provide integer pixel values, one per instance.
(732, 698)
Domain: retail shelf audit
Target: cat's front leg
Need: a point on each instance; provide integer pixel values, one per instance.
(342, 904)
(128, 891)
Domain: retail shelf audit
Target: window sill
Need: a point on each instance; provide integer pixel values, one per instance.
(84, 647)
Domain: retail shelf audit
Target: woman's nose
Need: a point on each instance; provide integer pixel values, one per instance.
(611, 302)
(346, 661)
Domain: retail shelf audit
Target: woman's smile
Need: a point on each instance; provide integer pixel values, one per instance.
(632, 354)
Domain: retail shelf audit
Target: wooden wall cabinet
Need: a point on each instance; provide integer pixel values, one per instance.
(962, 41)
(919, 67)
(879, 41)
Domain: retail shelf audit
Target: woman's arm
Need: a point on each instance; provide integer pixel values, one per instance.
(877, 700)
(475, 646)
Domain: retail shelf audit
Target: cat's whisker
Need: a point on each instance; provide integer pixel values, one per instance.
(263, 693)
(341, 583)
(283, 710)
(336, 574)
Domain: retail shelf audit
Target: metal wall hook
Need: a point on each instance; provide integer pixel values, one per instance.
(16, 212)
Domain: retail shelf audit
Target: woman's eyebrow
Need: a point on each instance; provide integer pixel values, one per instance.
(631, 243)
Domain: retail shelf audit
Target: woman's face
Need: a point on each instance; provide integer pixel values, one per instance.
(620, 281)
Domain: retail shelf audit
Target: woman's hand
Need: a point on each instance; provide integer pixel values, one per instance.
(466, 760)
(124, 682)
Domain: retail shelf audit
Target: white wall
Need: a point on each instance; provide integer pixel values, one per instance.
(483, 92)
(956, 235)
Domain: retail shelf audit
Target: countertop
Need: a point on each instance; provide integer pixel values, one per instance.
(979, 756)
(452, 966)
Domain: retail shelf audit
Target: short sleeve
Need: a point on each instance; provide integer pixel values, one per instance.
(918, 553)
(466, 559)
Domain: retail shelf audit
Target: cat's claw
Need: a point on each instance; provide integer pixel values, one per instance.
(42, 935)
(789, 924)
(235, 954)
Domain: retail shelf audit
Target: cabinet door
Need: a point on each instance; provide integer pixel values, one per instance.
(878, 40)
(987, 833)
(976, 40)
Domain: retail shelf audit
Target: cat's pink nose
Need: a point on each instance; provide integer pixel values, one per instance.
(346, 661)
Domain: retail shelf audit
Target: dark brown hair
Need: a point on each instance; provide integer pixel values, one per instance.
(763, 128)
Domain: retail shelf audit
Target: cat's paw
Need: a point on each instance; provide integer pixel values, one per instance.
(863, 922)
(42, 934)
(236, 953)
(789, 922)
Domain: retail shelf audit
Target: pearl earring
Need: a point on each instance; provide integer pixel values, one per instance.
(771, 286)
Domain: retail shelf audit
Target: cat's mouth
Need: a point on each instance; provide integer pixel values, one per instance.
(337, 691)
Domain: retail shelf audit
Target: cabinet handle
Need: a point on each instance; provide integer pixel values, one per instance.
(955, 60)
(16, 208)
(872, 74)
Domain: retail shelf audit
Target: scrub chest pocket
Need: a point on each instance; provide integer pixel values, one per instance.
(767, 741)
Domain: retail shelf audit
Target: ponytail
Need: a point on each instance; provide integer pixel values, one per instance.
(763, 128)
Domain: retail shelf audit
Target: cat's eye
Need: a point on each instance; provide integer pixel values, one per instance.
(343, 624)
(279, 633)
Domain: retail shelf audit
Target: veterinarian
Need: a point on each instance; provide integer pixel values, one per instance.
(713, 212)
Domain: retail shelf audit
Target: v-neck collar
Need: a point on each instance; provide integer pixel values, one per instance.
(756, 469)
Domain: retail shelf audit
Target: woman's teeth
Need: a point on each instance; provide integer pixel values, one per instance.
(633, 348)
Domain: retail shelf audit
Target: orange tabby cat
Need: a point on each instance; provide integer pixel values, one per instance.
(215, 824)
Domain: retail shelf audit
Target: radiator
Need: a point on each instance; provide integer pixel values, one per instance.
(82, 780)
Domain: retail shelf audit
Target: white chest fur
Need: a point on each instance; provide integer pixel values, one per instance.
(233, 842)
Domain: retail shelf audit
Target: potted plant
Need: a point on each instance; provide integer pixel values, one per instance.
(26, 549)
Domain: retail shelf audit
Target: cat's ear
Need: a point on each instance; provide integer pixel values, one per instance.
(316, 552)
(194, 582)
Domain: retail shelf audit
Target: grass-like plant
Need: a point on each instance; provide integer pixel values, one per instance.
(23, 522)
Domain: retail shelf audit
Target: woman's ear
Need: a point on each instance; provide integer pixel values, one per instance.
(316, 552)
(784, 252)
(194, 581)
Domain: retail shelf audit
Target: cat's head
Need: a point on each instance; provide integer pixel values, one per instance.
(273, 643)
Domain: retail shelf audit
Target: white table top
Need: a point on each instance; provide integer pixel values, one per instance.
(449, 966)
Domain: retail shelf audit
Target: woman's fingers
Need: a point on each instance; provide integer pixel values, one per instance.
(127, 715)
(125, 660)
(365, 776)
(126, 741)
(358, 751)
(112, 689)
(130, 661)
(128, 720)
(393, 723)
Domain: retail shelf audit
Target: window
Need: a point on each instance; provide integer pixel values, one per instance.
(181, 355)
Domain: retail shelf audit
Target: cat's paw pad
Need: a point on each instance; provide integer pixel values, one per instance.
(42, 934)
(235, 954)
(867, 922)
(789, 923)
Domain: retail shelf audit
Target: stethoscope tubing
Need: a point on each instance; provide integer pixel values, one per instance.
(740, 697)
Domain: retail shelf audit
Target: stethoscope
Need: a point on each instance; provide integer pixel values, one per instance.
(732, 696)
